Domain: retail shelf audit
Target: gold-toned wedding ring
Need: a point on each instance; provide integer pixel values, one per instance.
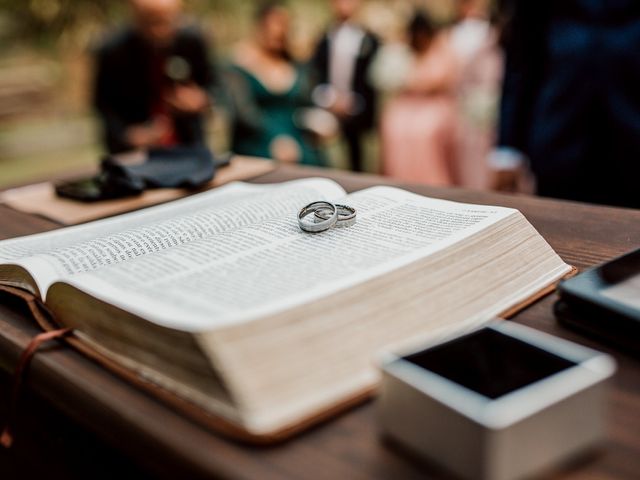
(325, 223)
(346, 215)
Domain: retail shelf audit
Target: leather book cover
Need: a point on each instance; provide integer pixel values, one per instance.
(209, 420)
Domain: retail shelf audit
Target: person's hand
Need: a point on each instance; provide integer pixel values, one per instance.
(509, 172)
(518, 180)
(342, 107)
(187, 99)
(147, 135)
(504, 180)
(285, 149)
(320, 122)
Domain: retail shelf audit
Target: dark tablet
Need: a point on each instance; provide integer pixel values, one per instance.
(604, 302)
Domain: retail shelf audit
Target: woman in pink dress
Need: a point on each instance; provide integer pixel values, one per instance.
(419, 122)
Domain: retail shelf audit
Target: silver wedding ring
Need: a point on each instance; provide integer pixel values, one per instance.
(318, 224)
(346, 215)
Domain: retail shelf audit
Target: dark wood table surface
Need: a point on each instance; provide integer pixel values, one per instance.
(78, 421)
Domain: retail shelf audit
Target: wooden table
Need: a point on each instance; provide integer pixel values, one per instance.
(77, 420)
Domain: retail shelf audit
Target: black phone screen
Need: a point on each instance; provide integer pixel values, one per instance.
(85, 189)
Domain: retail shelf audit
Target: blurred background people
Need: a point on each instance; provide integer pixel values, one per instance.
(471, 30)
(266, 89)
(418, 126)
(475, 42)
(152, 80)
(569, 109)
(571, 101)
(342, 60)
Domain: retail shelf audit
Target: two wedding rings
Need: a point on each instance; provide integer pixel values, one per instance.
(321, 216)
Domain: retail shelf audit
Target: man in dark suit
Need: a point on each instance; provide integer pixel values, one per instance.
(571, 97)
(153, 80)
(341, 61)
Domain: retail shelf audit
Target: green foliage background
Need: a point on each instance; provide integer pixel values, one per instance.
(71, 24)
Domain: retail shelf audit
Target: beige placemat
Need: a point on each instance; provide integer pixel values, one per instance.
(41, 199)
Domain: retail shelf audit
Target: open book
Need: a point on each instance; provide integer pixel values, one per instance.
(222, 301)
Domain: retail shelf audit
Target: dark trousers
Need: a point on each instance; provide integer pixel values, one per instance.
(585, 187)
(607, 173)
(352, 135)
(592, 157)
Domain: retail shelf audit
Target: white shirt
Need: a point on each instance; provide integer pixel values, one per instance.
(345, 43)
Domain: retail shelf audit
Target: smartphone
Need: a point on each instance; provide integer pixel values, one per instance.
(96, 188)
(604, 302)
(84, 189)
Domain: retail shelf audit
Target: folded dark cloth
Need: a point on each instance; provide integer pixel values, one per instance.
(177, 167)
(181, 167)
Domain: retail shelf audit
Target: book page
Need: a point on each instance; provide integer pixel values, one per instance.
(69, 251)
(265, 268)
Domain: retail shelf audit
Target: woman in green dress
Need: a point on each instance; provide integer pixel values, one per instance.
(267, 92)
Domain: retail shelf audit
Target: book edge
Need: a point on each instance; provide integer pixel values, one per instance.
(211, 420)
